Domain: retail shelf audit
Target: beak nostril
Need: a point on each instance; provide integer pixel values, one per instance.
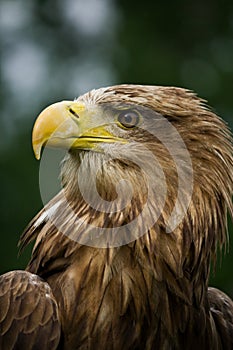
(73, 112)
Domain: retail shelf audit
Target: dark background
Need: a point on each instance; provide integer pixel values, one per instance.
(53, 50)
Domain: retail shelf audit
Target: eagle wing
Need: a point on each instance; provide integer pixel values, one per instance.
(221, 308)
(28, 313)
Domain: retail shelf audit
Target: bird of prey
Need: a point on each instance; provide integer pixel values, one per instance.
(122, 253)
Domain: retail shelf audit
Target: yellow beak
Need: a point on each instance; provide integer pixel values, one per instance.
(69, 124)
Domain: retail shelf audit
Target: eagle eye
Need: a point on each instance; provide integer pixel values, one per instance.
(128, 119)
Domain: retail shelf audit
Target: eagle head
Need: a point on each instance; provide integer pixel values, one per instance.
(144, 163)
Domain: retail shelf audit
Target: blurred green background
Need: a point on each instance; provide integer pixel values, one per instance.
(53, 50)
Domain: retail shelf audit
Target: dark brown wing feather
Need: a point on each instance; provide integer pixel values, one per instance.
(28, 313)
(221, 307)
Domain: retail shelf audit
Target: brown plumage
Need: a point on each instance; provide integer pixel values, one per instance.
(146, 289)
